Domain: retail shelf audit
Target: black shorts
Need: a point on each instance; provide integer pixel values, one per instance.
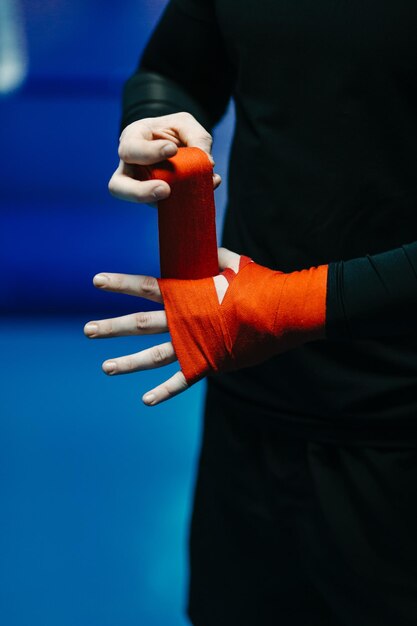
(289, 532)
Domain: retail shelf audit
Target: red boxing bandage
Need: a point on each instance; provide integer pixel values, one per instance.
(263, 313)
(186, 219)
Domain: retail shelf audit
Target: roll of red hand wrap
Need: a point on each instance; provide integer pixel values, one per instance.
(186, 220)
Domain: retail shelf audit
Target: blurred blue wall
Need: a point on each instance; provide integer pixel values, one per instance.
(95, 488)
(59, 136)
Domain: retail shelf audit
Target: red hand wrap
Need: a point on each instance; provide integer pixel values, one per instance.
(186, 220)
(263, 312)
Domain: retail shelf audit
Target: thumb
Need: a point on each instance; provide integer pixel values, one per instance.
(228, 259)
(228, 266)
(193, 134)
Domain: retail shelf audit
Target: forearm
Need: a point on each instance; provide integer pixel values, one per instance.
(184, 68)
(373, 296)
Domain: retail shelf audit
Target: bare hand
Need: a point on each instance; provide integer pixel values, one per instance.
(149, 141)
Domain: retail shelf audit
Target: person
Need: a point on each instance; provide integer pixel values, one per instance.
(305, 502)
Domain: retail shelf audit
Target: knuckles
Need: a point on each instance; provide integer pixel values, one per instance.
(186, 118)
(159, 355)
(145, 128)
(142, 321)
(124, 150)
(149, 286)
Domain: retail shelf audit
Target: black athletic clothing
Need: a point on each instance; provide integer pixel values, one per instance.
(186, 48)
(322, 170)
(305, 503)
(374, 296)
(291, 532)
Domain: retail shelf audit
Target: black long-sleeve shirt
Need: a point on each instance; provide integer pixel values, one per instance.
(322, 170)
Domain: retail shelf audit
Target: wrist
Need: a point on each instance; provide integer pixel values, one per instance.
(302, 307)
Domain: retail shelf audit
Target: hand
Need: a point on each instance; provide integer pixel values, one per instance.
(150, 322)
(239, 318)
(150, 141)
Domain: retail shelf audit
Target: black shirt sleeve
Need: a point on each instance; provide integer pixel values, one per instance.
(184, 67)
(373, 296)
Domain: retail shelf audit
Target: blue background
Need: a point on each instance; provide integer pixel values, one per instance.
(95, 488)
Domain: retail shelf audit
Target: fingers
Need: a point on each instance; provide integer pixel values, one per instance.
(148, 141)
(221, 284)
(125, 186)
(157, 356)
(136, 150)
(216, 180)
(170, 388)
(130, 284)
(151, 322)
(143, 143)
(153, 139)
(227, 258)
(191, 132)
(151, 358)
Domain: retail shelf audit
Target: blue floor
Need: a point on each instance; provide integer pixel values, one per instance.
(95, 487)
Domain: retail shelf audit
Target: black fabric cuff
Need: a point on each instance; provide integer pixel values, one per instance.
(148, 94)
(373, 296)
